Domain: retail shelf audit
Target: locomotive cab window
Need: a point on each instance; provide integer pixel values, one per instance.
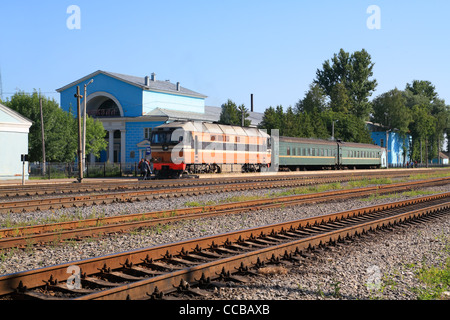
(166, 137)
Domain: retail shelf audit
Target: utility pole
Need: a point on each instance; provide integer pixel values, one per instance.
(84, 123)
(80, 155)
(43, 138)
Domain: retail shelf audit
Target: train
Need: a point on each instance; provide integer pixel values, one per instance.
(316, 154)
(190, 147)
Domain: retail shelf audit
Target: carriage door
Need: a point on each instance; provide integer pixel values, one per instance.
(196, 149)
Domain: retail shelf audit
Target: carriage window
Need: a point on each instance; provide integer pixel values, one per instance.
(288, 151)
(293, 151)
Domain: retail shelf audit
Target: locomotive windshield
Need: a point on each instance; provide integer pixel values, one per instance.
(161, 137)
(165, 137)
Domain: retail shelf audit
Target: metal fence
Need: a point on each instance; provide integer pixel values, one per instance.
(92, 170)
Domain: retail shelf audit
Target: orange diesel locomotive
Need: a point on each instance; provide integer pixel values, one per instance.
(201, 147)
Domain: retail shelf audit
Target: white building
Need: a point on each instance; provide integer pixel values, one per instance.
(14, 129)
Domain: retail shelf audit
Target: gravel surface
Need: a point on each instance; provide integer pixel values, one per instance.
(341, 273)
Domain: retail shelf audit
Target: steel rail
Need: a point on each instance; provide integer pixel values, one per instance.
(73, 188)
(28, 235)
(165, 282)
(78, 201)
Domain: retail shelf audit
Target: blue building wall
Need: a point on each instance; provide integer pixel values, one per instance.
(134, 101)
(135, 135)
(169, 101)
(129, 96)
(396, 155)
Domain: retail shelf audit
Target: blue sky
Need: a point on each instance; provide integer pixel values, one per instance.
(224, 49)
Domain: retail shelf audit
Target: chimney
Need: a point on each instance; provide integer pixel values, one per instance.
(251, 102)
(153, 76)
(178, 86)
(147, 81)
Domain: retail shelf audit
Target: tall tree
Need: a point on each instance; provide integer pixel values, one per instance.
(431, 118)
(353, 72)
(269, 120)
(422, 88)
(60, 128)
(95, 137)
(231, 114)
(314, 100)
(390, 110)
(422, 128)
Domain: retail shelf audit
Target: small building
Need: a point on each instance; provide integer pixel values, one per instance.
(397, 146)
(14, 129)
(441, 160)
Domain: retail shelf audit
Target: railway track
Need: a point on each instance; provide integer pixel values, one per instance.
(194, 266)
(39, 234)
(171, 191)
(10, 192)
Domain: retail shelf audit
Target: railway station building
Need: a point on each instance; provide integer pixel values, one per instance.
(14, 129)
(130, 107)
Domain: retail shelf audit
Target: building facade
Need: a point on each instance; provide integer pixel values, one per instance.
(129, 108)
(397, 146)
(14, 129)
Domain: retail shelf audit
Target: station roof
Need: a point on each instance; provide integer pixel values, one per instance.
(153, 85)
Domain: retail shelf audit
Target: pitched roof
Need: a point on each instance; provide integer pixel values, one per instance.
(13, 121)
(179, 115)
(156, 85)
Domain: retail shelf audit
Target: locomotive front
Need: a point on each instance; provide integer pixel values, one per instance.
(164, 140)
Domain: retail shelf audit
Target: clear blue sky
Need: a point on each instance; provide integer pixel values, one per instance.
(224, 49)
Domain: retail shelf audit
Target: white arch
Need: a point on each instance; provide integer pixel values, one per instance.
(107, 95)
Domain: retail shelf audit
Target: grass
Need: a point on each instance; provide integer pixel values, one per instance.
(435, 280)
(366, 182)
(413, 193)
(328, 187)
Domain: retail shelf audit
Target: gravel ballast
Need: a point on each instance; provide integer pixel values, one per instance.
(339, 274)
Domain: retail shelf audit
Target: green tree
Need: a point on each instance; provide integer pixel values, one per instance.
(291, 123)
(353, 72)
(348, 127)
(57, 127)
(269, 120)
(431, 119)
(314, 100)
(60, 129)
(422, 128)
(231, 114)
(422, 88)
(340, 102)
(95, 137)
(390, 110)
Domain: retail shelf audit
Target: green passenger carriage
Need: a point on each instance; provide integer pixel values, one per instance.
(315, 154)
